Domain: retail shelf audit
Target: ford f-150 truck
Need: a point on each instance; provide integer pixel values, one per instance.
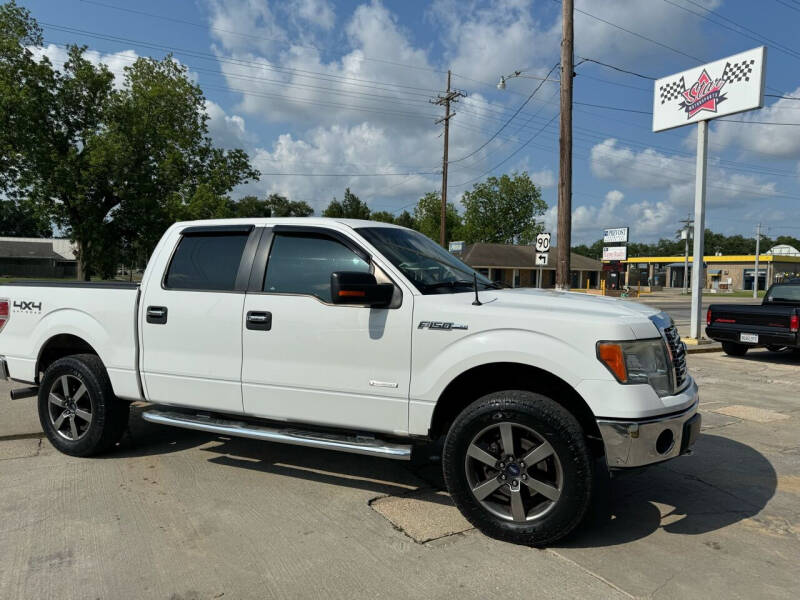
(774, 323)
(361, 337)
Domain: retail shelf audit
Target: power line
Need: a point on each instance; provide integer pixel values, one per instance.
(756, 37)
(511, 118)
(620, 69)
(638, 35)
(237, 61)
(509, 157)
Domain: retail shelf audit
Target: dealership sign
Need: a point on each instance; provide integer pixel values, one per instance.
(720, 88)
(615, 253)
(611, 236)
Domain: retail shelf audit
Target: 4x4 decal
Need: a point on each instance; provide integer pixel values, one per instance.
(27, 306)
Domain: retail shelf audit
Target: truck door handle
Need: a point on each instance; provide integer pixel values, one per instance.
(259, 320)
(157, 315)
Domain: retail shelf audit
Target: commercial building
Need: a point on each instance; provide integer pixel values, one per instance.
(37, 257)
(720, 272)
(515, 266)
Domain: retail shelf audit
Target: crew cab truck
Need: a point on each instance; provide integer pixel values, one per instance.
(774, 323)
(361, 337)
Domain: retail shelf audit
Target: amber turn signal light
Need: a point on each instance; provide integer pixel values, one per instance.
(612, 357)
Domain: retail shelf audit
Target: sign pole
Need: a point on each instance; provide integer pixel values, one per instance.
(699, 230)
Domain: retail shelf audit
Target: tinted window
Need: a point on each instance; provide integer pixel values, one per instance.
(302, 264)
(432, 269)
(785, 293)
(206, 262)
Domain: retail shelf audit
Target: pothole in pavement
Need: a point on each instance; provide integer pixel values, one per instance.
(423, 515)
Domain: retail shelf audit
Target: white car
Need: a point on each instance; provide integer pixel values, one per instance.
(361, 337)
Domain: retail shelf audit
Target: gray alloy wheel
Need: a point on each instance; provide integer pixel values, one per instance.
(513, 472)
(69, 407)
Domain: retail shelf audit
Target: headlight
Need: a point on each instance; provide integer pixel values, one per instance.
(638, 361)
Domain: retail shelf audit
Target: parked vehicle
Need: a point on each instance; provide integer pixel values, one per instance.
(774, 323)
(361, 337)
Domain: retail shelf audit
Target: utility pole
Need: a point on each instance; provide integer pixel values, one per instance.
(687, 223)
(565, 150)
(446, 100)
(758, 248)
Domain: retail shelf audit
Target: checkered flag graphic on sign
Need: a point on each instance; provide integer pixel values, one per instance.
(738, 71)
(671, 91)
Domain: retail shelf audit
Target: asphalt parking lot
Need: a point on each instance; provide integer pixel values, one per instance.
(184, 515)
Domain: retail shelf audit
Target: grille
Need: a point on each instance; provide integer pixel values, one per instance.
(678, 352)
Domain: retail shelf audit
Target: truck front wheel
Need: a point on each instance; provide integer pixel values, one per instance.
(77, 408)
(517, 465)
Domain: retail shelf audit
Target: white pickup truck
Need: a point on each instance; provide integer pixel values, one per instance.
(360, 337)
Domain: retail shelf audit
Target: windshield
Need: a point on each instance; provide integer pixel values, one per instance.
(427, 265)
(784, 293)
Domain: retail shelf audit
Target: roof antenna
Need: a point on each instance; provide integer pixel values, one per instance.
(476, 302)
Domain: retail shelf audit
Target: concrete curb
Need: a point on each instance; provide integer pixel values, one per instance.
(703, 349)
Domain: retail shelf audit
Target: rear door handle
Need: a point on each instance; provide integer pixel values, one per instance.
(157, 315)
(259, 320)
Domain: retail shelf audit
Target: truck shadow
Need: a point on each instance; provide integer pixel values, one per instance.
(723, 483)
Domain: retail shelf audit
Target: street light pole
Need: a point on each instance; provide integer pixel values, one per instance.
(565, 150)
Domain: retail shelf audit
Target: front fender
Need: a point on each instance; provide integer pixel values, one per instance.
(434, 368)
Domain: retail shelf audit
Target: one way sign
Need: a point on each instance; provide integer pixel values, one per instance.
(541, 259)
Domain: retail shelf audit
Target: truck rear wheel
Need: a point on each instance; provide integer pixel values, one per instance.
(517, 466)
(77, 408)
(734, 349)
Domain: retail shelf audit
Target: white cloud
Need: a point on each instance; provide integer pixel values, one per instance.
(227, 131)
(649, 169)
(116, 62)
(490, 39)
(316, 12)
(544, 178)
(362, 148)
(772, 141)
(646, 219)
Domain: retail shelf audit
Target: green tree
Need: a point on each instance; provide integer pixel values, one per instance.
(113, 168)
(275, 205)
(503, 210)
(351, 207)
(428, 217)
(406, 220)
(384, 216)
(20, 219)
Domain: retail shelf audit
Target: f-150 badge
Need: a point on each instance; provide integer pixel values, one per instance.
(444, 326)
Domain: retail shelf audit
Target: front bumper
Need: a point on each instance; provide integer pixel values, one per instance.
(639, 442)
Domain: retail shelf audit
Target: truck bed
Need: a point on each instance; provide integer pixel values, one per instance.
(102, 313)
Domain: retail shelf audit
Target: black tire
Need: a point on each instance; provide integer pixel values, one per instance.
(734, 349)
(543, 520)
(60, 411)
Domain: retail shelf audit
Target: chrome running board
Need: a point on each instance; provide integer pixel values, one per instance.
(355, 444)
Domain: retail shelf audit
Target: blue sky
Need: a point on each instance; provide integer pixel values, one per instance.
(326, 95)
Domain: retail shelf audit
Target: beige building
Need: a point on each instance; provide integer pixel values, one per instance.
(515, 266)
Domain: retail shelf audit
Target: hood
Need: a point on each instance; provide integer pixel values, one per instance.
(540, 305)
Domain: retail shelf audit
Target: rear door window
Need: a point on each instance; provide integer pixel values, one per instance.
(206, 262)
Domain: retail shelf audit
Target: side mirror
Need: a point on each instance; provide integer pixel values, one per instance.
(355, 287)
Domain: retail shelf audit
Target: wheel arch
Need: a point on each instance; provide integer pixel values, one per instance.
(498, 376)
(59, 346)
